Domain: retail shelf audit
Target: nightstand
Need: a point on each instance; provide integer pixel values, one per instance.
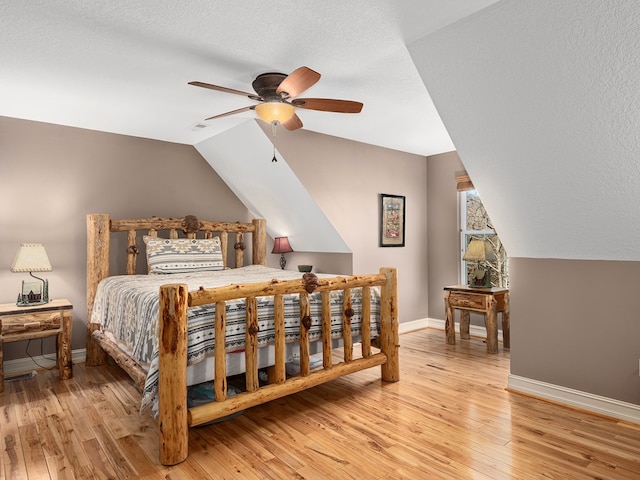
(489, 301)
(24, 323)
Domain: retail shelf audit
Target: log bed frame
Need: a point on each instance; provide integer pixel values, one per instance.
(174, 418)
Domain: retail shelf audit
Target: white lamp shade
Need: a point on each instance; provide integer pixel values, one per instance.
(31, 257)
(275, 111)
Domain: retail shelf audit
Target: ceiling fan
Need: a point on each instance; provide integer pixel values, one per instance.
(276, 94)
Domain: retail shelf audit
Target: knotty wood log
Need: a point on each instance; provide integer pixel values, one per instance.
(167, 223)
(24, 322)
(224, 247)
(278, 314)
(132, 252)
(220, 378)
(450, 320)
(172, 386)
(137, 374)
(327, 353)
(239, 247)
(491, 320)
(347, 314)
(506, 328)
(389, 335)
(259, 240)
(206, 296)
(64, 360)
(365, 323)
(305, 324)
(251, 345)
(465, 321)
(98, 238)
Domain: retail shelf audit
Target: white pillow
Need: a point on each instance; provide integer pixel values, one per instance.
(180, 255)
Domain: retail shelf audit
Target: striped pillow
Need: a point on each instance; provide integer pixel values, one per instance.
(180, 255)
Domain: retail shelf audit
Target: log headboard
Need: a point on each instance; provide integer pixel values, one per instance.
(100, 226)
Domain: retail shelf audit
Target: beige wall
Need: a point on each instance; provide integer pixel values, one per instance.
(52, 176)
(574, 323)
(443, 228)
(55, 175)
(345, 178)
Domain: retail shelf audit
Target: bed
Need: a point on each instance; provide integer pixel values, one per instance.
(250, 319)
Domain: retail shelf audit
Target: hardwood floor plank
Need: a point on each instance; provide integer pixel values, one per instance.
(33, 454)
(449, 417)
(77, 459)
(13, 464)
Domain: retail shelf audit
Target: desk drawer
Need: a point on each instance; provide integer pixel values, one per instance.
(468, 300)
(31, 322)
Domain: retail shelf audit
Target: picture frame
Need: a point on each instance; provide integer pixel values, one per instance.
(392, 220)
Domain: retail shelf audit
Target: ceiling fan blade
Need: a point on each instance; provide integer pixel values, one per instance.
(293, 123)
(232, 112)
(328, 105)
(298, 81)
(222, 89)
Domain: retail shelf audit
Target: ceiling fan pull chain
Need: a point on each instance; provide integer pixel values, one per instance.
(273, 133)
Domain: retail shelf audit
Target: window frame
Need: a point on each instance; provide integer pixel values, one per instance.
(464, 234)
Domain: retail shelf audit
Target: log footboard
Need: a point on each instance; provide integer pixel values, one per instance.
(174, 416)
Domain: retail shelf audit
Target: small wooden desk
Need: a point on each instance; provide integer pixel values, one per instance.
(489, 301)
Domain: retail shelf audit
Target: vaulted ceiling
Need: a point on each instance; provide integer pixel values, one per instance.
(123, 67)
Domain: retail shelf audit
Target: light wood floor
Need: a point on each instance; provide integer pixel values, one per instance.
(449, 417)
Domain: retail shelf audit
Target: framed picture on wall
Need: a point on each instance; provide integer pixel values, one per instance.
(392, 210)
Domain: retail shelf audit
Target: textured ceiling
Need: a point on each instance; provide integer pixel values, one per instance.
(123, 67)
(541, 98)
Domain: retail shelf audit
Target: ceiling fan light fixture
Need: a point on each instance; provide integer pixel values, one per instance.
(275, 112)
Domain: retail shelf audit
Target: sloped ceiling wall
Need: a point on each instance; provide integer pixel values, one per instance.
(541, 100)
(242, 157)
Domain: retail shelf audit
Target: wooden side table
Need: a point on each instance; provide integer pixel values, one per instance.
(24, 323)
(489, 301)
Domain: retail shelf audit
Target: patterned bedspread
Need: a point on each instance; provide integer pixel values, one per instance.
(127, 308)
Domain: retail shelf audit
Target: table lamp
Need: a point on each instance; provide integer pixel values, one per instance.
(480, 251)
(32, 257)
(281, 245)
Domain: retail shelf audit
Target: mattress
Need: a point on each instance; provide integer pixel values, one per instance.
(127, 306)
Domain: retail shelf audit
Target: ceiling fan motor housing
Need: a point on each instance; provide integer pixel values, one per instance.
(266, 84)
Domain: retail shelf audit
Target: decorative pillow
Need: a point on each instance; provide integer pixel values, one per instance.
(182, 255)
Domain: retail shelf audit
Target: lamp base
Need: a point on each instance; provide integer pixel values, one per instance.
(33, 293)
(27, 303)
(480, 279)
(283, 262)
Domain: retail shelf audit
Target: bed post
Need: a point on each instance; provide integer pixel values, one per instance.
(390, 341)
(259, 240)
(172, 380)
(98, 236)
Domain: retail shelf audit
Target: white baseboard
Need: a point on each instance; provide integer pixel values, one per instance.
(575, 398)
(566, 396)
(419, 324)
(28, 364)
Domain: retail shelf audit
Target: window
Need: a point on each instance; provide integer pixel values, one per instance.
(476, 224)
